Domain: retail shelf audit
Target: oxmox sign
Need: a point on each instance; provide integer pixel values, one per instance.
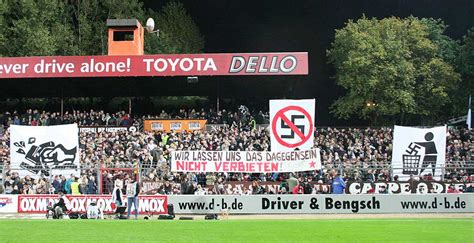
(288, 63)
(78, 203)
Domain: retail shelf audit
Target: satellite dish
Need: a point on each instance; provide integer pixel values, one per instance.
(150, 25)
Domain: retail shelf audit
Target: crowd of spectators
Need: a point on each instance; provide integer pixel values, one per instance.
(35, 117)
(358, 154)
(14, 184)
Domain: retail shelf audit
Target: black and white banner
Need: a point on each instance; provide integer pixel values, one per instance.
(418, 151)
(45, 150)
(291, 124)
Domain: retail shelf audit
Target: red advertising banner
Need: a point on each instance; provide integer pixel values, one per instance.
(173, 125)
(78, 203)
(286, 63)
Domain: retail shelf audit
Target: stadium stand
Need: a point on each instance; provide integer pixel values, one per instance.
(359, 154)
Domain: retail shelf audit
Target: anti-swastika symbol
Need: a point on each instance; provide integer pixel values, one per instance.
(302, 134)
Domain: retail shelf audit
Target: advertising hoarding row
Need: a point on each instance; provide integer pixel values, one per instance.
(324, 204)
(257, 204)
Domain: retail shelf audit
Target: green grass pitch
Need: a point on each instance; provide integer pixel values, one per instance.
(333, 230)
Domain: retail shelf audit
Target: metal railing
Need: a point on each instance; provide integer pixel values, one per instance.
(153, 175)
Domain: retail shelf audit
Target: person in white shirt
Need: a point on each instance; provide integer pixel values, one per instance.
(199, 191)
(94, 212)
(132, 196)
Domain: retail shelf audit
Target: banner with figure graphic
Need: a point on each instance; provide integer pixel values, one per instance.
(418, 151)
(45, 150)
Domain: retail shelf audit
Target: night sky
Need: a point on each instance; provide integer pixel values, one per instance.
(282, 25)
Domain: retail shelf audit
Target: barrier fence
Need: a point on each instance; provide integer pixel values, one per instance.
(152, 177)
(242, 197)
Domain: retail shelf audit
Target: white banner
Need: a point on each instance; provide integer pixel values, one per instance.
(245, 161)
(418, 151)
(36, 150)
(323, 204)
(97, 129)
(8, 203)
(291, 124)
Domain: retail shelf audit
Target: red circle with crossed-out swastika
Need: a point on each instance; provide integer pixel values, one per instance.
(281, 115)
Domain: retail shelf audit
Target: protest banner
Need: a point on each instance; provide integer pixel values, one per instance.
(292, 124)
(418, 151)
(245, 161)
(45, 150)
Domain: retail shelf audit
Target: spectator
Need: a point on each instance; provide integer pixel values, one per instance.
(452, 189)
(67, 185)
(199, 191)
(56, 183)
(15, 190)
(91, 186)
(338, 184)
(470, 188)
(166, 188)
(83, 186)
(8, 185)
(42, 186)
(362, 154)
(75, 186)
(298, 189)
(256, 188)
(383, 189)
(27, 190)
(62, 185)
